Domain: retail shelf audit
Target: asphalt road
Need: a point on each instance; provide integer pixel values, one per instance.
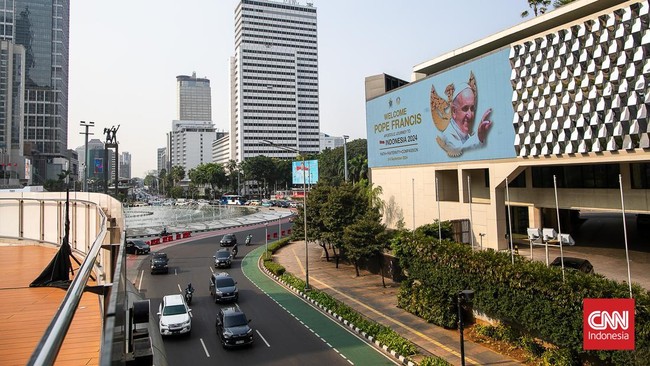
(287, 330)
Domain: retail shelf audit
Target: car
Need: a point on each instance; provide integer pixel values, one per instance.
(159, 262)
(174, 316)
(228, 240)
(222, 258)
(223, 288)
(137, 246)
(233, 329)
(578, 264)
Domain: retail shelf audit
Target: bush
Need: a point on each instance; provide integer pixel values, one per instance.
(275, 268)
(526, 295)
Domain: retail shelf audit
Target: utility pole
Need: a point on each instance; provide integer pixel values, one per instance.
(87, 125)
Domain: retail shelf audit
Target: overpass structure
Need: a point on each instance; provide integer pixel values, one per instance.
(96, 318)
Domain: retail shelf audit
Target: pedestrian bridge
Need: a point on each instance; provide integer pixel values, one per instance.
(94, 318)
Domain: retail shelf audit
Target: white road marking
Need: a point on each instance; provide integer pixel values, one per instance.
(179, 288)
(260, 334)
(140, 282)
(204, 348)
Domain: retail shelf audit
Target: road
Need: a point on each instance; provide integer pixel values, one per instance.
(287, 330)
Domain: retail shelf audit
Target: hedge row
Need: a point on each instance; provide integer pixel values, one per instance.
(526, 295)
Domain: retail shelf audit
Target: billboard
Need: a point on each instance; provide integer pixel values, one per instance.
(461, 114)
(307, 173)
(99, 165)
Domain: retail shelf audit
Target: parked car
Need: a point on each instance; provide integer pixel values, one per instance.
(174, 315)
(233, 329)
(578, 264)
(159, 262)
(223, 288)
(222, 258)
(137, 246)
(228, 240)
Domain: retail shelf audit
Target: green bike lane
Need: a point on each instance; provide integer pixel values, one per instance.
(343, 341)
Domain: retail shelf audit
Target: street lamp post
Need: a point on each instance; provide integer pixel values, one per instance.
(266, 240)
(464, 297)
(345, 156)
(86, 125)
(304, 204)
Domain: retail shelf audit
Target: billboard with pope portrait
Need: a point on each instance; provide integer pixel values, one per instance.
(461, 114)
(305, 171)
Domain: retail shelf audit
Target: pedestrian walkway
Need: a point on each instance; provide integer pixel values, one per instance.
(367, 296)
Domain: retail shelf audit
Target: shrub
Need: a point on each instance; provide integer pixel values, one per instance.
(434, 361)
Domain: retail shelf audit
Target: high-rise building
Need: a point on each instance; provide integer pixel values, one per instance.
(192, 135)
(194, 98)
(274, 79)
(12, 92)
(42, 27)
(125, 165)
(161, 158)
(192, 143)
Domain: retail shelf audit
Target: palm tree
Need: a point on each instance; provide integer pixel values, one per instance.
(539, 7)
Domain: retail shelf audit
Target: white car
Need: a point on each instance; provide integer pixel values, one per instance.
(175, 316)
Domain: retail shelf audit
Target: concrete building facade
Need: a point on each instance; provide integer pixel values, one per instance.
(274, 79)
(194, 98)
(523, 129)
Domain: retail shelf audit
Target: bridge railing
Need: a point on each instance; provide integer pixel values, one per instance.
(96, 221)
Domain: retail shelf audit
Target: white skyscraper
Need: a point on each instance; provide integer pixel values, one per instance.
(194, 132)
(274, 79)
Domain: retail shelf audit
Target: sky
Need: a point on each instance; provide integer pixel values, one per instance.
(125, 56)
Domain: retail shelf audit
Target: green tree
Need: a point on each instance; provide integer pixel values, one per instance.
(364, 238)
(539, 7)
(316, 228)
(149, 180)
(210, 173)
(177, 174)
(176, 192)
(260, 168)
(233, 171)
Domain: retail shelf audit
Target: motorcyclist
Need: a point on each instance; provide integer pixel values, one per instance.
(234, 251)
(164, 231)
(188, 293)
(249, 237)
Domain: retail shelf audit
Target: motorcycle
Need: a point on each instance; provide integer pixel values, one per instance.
(188, 294)
(248, 239)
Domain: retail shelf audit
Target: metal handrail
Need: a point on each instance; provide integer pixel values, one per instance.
(48, 347)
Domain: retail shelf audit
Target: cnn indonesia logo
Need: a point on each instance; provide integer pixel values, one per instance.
(608, 324)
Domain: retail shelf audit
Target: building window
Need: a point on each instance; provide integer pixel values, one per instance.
(640, 175)
(577, 176)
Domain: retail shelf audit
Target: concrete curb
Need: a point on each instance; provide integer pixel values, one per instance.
(402, 359)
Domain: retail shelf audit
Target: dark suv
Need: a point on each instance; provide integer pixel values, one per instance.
(137, 246)
(159, 263)
(228, 240)
(577, 264)
(222, 258)
(233, 329)
(223, 288)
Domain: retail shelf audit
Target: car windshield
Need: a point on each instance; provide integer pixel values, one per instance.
(222, 255)
(235, 320)
(174, 310)
(228, 237)
(139, 243)
(225, 282)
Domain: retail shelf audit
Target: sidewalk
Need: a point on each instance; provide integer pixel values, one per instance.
(367, 296)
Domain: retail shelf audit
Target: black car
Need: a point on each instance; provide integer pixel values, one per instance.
(233, 329)
(222, 258)
(137, 246)
(223, 287)
(578, 264)
(228, 240)
(159, 263)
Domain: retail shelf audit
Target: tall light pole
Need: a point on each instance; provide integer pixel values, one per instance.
(345, 156)
(304, 203)
(87, 125)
